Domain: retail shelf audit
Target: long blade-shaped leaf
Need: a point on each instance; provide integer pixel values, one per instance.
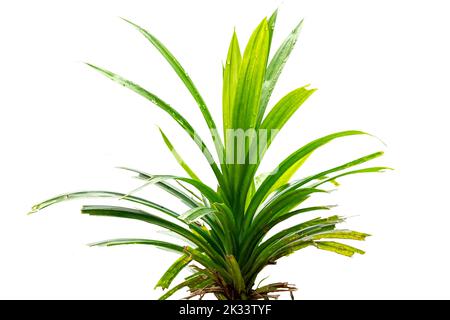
(183, 75)
(235, 271)
(195, 254)
(171, 111)
(285, 108)
(284, 179)
(273, 209)
(251, 77)
(193, 280)
(340, 234)
(127, 241)
(338, 248)
(271, 23)
(285, 242)
(102, 194)
(173, 271)
(122, 212)
(246, 104)
(205, 190)
(196, 213)
(185, 198)
(282, 204)
(275, 68)
(284, 166)
(177, 156)
(365, 170)
(230, 81)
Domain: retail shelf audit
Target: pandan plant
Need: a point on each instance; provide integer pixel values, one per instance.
(228, 226)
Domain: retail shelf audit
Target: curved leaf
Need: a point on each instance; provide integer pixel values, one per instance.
(184, 76)
(195, 214)
(121, 212)
(186, 199)
(284, 166)
(338, 248)
(177, 156)
(285, 108)
(171, 111)
(173, 271)
(127, 241)
(209, 193)
(102, 194)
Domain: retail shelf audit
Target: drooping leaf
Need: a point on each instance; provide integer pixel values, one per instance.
(322, 175)
(173, 271)
(122, 212)
(205, 190)
(102, 194)
(341, 234)
(128, 241)
(338, 248)
(365, 170)
(285, 165)
(195, 214)
(167, 108)
(196, 278)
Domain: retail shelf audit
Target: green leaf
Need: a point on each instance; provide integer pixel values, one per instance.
(322, 175)
(261, 224)
(128, 241)
(102, 194)
(171, 111)
(338, 248)
(183, 75)
(341, 234)
(271, 23)
(235, 271)
(230, 81)
(365, 170)
(173, 271)
(282, 203)
(209, 193)
(275, 68)
(122, 212)
(177, 156)
(285, 108)
(286, 176)
(195, 214)
(280, 244)
(286, 165)
(282, 217)
(251, 77)
(196, 278)
(185, 198)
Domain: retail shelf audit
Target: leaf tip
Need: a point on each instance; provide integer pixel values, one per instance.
(96, 244)
(127, 21)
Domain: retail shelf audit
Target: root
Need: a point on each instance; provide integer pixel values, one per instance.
(269, 292)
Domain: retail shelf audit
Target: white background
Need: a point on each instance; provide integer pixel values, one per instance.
(380, 66)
